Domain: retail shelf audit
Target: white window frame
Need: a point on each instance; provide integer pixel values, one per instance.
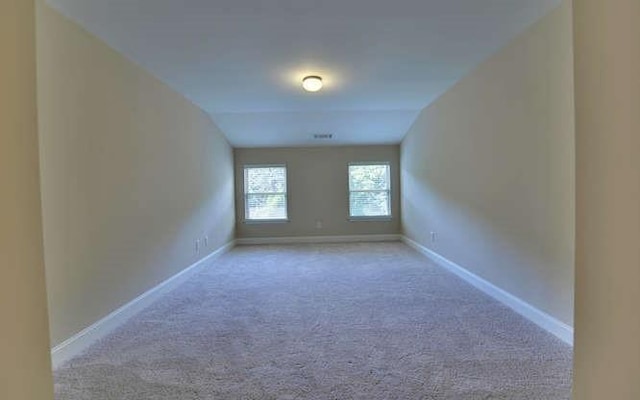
(247, 220)
(389, 191)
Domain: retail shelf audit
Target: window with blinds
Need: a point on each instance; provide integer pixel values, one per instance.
(265, 192)
(369, 190)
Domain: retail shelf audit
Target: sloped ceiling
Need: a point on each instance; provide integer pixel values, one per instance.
(242, 61)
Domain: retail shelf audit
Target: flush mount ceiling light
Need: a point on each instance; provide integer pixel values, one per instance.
(312, 83)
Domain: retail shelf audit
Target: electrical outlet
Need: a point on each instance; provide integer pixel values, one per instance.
(434, 237)
(318, 224)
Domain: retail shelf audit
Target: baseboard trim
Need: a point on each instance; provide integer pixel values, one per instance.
(79, 342)
(319, 239)
(547, 322)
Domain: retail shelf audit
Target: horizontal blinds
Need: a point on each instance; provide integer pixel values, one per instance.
(266, 206)
(369, 204)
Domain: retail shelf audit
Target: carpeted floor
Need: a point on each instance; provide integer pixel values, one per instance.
(343, 321)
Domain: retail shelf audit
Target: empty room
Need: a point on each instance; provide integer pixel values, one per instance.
(295, 199)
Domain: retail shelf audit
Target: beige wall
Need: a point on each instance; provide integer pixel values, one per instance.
(489, 167)
(318, 190)
(25, 371)
(607, 65)
(132, 174)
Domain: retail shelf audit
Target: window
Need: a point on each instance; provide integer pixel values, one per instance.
(265, 193)
(369, 190)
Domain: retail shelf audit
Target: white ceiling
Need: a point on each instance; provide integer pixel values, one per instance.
(242, 61)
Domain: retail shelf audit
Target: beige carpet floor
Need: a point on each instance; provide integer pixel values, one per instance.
(343, 321)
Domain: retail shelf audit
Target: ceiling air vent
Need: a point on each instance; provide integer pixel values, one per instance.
(323, 136)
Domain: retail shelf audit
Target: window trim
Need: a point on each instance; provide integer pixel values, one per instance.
(245, 195)
(377, 218)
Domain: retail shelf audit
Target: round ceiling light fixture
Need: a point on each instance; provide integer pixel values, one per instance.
(312, 83)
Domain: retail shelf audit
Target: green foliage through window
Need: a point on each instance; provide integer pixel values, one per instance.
(265, 191)
(369, 190)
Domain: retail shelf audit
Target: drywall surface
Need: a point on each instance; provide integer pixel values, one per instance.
(318, 190)
(132, 175)
(25, 368)
(607, 62)
(489, 167)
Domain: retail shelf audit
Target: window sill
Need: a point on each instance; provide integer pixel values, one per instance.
(265, 221)
(370, 219)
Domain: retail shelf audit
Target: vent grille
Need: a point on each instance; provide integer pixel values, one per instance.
(323, 136)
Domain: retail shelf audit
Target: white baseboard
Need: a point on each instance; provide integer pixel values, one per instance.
(79, 342)
(319, 239)
(547, 322)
